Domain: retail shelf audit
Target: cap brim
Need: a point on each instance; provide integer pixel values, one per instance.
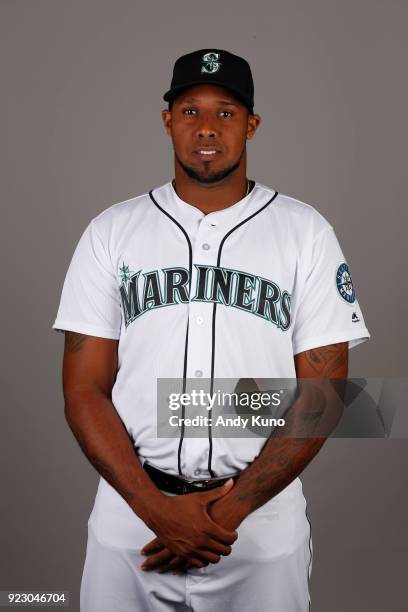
(173, 93)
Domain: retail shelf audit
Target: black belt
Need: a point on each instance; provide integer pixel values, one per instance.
(179, 485)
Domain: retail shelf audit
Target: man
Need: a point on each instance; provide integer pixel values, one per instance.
(210, 276)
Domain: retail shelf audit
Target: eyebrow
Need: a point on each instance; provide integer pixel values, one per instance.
(190, 100)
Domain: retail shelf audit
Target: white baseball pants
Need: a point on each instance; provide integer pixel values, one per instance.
(269, 568)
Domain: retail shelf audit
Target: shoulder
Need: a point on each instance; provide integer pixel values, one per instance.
(120, 217)
(121, 212)
(296, 215)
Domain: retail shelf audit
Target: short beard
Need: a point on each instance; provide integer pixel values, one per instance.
(211, 177)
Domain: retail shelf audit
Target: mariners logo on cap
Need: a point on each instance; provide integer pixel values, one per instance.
(344, 283)
(210, 62)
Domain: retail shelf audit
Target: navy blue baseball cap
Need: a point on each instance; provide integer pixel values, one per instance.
(213, 66)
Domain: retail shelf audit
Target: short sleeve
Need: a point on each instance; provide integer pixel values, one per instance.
(90, 300)
(326, 310)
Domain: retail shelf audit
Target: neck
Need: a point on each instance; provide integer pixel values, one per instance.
(210, 197)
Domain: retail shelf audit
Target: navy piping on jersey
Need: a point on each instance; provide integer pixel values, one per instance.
(190, 267)
(213, 323)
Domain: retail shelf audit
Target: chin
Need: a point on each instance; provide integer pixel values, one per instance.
(213, 176)
(209, 175)
(206, 172)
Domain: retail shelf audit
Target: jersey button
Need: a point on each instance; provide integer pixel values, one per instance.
(205, 246)
(197, 472)
(198, 373)
(199, 320)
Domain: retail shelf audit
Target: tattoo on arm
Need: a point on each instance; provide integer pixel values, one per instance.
(74, 341)
(284, 458)
(326, 360)
(270, 470)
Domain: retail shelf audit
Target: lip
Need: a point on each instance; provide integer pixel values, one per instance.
(206, 153)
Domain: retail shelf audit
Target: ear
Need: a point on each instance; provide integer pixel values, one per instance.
(166, 117)
(253, 123)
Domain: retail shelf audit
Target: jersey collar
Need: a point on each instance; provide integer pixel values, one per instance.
(189, 216)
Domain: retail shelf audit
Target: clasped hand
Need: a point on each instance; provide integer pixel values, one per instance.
(187, 536)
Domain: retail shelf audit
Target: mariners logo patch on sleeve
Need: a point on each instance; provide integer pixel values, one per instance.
(344, 283)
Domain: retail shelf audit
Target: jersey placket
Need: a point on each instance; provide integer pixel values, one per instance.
(195, 451)
(207, 237)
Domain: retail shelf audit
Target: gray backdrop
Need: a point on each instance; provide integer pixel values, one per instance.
(81, 97)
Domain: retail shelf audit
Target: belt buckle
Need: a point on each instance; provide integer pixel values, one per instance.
(211, 483)
(199, 484)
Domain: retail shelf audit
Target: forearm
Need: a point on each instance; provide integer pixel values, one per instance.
(279, 463)
(284, 456)
(105, 441)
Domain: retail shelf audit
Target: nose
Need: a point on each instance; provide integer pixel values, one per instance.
(206, 128)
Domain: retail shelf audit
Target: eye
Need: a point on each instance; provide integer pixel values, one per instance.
(189, 111)
(226, 113)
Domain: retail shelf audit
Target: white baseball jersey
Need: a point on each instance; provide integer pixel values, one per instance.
(234, 293)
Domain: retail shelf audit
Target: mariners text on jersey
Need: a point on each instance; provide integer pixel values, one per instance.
(141, 292)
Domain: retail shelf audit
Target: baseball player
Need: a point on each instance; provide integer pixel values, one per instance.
(209, 276)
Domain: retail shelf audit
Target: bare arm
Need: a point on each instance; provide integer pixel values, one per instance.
(286, 454)
(89, 372)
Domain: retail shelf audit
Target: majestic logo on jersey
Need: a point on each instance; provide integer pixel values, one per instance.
(344, 283)
(210, 62)
(142, 292)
